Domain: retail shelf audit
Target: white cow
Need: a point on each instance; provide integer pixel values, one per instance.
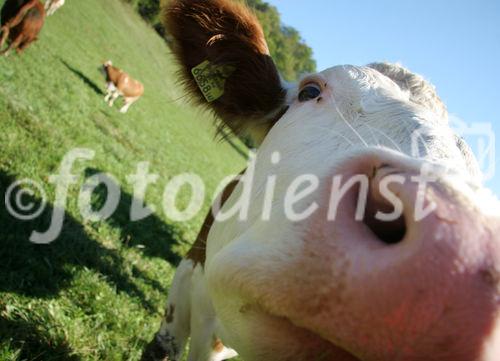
(292, 269)
(51, 6)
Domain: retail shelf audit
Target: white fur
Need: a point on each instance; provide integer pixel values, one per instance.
(204, 323)
(381, 117)
(173, 335)
(128, 103)
(51, 6)
(193, 316)
(362, 111)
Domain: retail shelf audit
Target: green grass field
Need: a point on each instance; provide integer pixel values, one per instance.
(97, 292)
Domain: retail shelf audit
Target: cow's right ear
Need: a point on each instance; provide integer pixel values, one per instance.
(225, 62)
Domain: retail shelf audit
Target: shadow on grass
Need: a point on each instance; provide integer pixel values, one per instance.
(34, 344)
(152, 234)
(83, 77)
(43, 270)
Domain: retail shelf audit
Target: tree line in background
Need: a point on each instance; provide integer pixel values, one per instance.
(292, 55)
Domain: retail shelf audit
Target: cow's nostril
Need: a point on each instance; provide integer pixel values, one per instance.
(391, 231)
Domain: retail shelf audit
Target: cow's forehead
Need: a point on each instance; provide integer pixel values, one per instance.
(360, 83)
(359, 108)
(355, 101)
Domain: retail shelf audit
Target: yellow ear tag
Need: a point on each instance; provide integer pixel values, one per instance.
(211, 79)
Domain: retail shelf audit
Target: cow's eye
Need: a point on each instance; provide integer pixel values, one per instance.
(309, 92)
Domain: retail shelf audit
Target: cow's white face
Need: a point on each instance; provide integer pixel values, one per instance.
(319, 286)
(303, 275)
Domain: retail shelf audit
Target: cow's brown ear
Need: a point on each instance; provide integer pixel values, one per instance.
(226, 63)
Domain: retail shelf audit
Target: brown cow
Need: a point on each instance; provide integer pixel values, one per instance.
(21, 23)
(119, 83)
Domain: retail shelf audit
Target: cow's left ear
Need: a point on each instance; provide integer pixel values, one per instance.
(226, 63)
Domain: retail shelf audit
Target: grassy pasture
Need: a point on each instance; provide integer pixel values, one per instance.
(97, 292)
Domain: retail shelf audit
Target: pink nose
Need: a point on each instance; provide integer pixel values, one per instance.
(421, 268)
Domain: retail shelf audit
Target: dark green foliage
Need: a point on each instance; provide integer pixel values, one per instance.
(150, 11)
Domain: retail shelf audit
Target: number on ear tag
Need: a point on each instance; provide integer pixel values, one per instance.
(211, 79)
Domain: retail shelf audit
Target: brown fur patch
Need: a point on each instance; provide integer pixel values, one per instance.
(22, 28)
(197, 253)
(227, 33)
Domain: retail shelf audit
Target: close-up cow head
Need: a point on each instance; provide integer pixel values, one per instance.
(304, 275)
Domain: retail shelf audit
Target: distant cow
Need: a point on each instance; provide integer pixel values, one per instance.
(119, 83)
(21, 22)
(51, 6)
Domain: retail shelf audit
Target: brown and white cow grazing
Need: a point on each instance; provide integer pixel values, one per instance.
(289, 268)
(119, 83)
(21, 22)
(51, 6)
